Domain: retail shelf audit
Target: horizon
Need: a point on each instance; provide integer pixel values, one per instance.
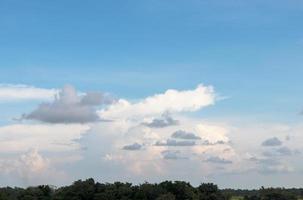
(56, 187)
(196, 91)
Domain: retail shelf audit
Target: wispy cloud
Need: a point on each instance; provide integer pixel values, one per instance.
(9, 92)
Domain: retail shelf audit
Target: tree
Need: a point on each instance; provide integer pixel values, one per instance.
(209, 191)
(168, 196)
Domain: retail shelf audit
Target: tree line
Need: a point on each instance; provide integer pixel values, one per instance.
(167, 190)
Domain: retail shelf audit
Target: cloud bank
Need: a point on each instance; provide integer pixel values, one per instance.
(149, 139)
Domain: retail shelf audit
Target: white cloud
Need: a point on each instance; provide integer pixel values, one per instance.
(52, 138)
(126, 143)
(212, 133)
(31, 168)
(171, 101)
(9, 92)
(109, 140)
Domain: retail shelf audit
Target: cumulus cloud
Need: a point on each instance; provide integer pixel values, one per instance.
(69, 107)
(272, 142)
(132, 147)
(31, 168)
(171, 101)
(212, 133)
(162, 122)
(33, 161)
(29, 163)
(110, 145)
(181, 134)
(171, 142)
(9, 92)
(218, 160)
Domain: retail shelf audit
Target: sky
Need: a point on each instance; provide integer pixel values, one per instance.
(196, 90)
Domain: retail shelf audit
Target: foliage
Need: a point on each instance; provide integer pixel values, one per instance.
(167, 190)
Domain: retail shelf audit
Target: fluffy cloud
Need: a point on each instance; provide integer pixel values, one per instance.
(69, 107)
(10, 92)
(171, 101)
(167, 139)
(180, 134)
(31, 168)
(212, 134)
(29, 162)
(162, 122)
(272, 142)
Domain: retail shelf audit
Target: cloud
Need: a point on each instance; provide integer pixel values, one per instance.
(285, 151)
(282, 151)
(272, 142)
(180, 134)
(170, 142)
(162, 122)
(31, 168)
(43, 137)
(271, 166)
(28, 163)
(212, 133)
(69, 107)
(110, 146)
(206, 142)
(132, 147)
(171, 101)
(96, 98)
(9, 92)
(32, 161)
(172, 155)
(218, 160)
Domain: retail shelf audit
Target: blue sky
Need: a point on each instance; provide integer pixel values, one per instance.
(249, 51)
(123, 47)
